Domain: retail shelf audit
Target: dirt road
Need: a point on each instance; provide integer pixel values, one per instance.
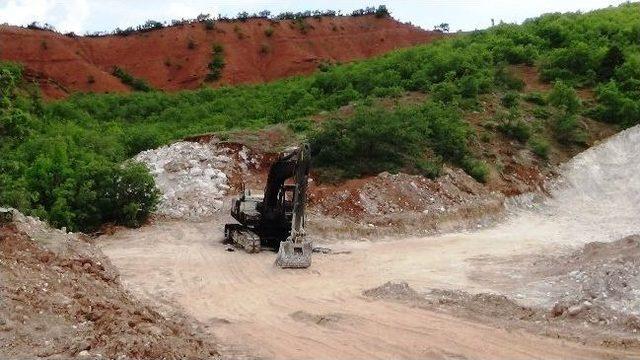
(253, 307)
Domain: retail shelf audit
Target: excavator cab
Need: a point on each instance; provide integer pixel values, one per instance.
(276, 219)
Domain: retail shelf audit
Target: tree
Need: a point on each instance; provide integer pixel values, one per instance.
(611, 60)
(264, 14)
(382, 11)
(444, 27)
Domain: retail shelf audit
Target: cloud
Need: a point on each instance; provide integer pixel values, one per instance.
(73, 16)
(65, 16)
(18, 12)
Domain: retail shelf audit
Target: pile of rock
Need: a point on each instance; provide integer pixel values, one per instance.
(190, 176)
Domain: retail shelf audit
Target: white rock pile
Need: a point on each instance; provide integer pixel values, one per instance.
(190, 176)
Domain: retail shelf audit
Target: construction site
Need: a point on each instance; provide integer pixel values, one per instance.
(264, 242)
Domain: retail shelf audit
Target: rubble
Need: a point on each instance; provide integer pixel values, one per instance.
(194, 177)
(61, 297)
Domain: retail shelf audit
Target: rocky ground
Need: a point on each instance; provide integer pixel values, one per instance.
(590, 295)
(61, 298)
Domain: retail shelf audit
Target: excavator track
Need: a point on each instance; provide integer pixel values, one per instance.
(243, 237)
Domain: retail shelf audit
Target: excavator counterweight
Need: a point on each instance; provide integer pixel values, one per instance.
(276, 219)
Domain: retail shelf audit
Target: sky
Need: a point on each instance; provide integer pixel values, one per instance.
(82, 16)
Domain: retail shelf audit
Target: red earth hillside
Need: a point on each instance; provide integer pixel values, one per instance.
(176, 57)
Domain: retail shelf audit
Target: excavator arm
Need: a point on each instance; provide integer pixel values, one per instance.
(277, 218)
(295, 252)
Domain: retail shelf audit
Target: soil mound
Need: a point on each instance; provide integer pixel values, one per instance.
(174, 58)
(61, 297)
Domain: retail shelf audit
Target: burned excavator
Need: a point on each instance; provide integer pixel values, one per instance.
(276, 218)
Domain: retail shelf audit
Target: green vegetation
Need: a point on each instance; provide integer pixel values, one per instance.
(131, 81)
(63, 172)
(414, 140)
(540, 147)
(63, 160)
(567, 125)
(217, 63)
(268, 32)
(535, 98)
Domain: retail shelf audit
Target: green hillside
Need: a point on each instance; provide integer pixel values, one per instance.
(63, 160)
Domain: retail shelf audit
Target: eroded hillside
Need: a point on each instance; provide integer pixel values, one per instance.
(177, 57)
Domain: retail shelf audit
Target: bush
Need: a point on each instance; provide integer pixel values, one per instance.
(564, 97)
(268, 32)
(217, 63)
(376, 140)
(131, 81)
(610, 62)
(513, 127)
(577, 63)
(540, 147)
(568, 129)
(382, 11)
(536, 98)
(615, 106)
(476, 169)
(541, 113)
(209, 24)
(507, 80)
(511, 100)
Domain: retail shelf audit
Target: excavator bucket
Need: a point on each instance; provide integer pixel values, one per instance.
(294, 254)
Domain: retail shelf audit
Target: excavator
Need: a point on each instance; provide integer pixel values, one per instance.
(275, 219)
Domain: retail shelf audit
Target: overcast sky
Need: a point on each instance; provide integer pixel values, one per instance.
(83, 16)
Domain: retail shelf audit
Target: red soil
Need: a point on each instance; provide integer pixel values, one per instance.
(176, 58)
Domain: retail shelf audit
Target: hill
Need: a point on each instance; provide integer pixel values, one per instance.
(177, 57)
(504, 105)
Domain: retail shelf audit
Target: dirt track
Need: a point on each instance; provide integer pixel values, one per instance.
(253, 307)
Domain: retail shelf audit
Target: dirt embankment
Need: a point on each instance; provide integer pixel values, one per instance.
(175, 58)
(60, 297)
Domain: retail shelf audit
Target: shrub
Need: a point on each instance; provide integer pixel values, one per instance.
(476, 169)
(610, 62)
(382, 11)
(513, 127)
(568, 129)
(540, 147)
(268, 32)
(302, 25)
(564, 97)
(209, 24)
(376, 140)
(615, 106)
(507, 80)
(577, 63)
(536, 98)
(217, 63)
(541, 113)
(239, 32)
(131, 81)
(510, 99)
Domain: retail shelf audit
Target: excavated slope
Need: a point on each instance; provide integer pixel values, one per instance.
(176, 57)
